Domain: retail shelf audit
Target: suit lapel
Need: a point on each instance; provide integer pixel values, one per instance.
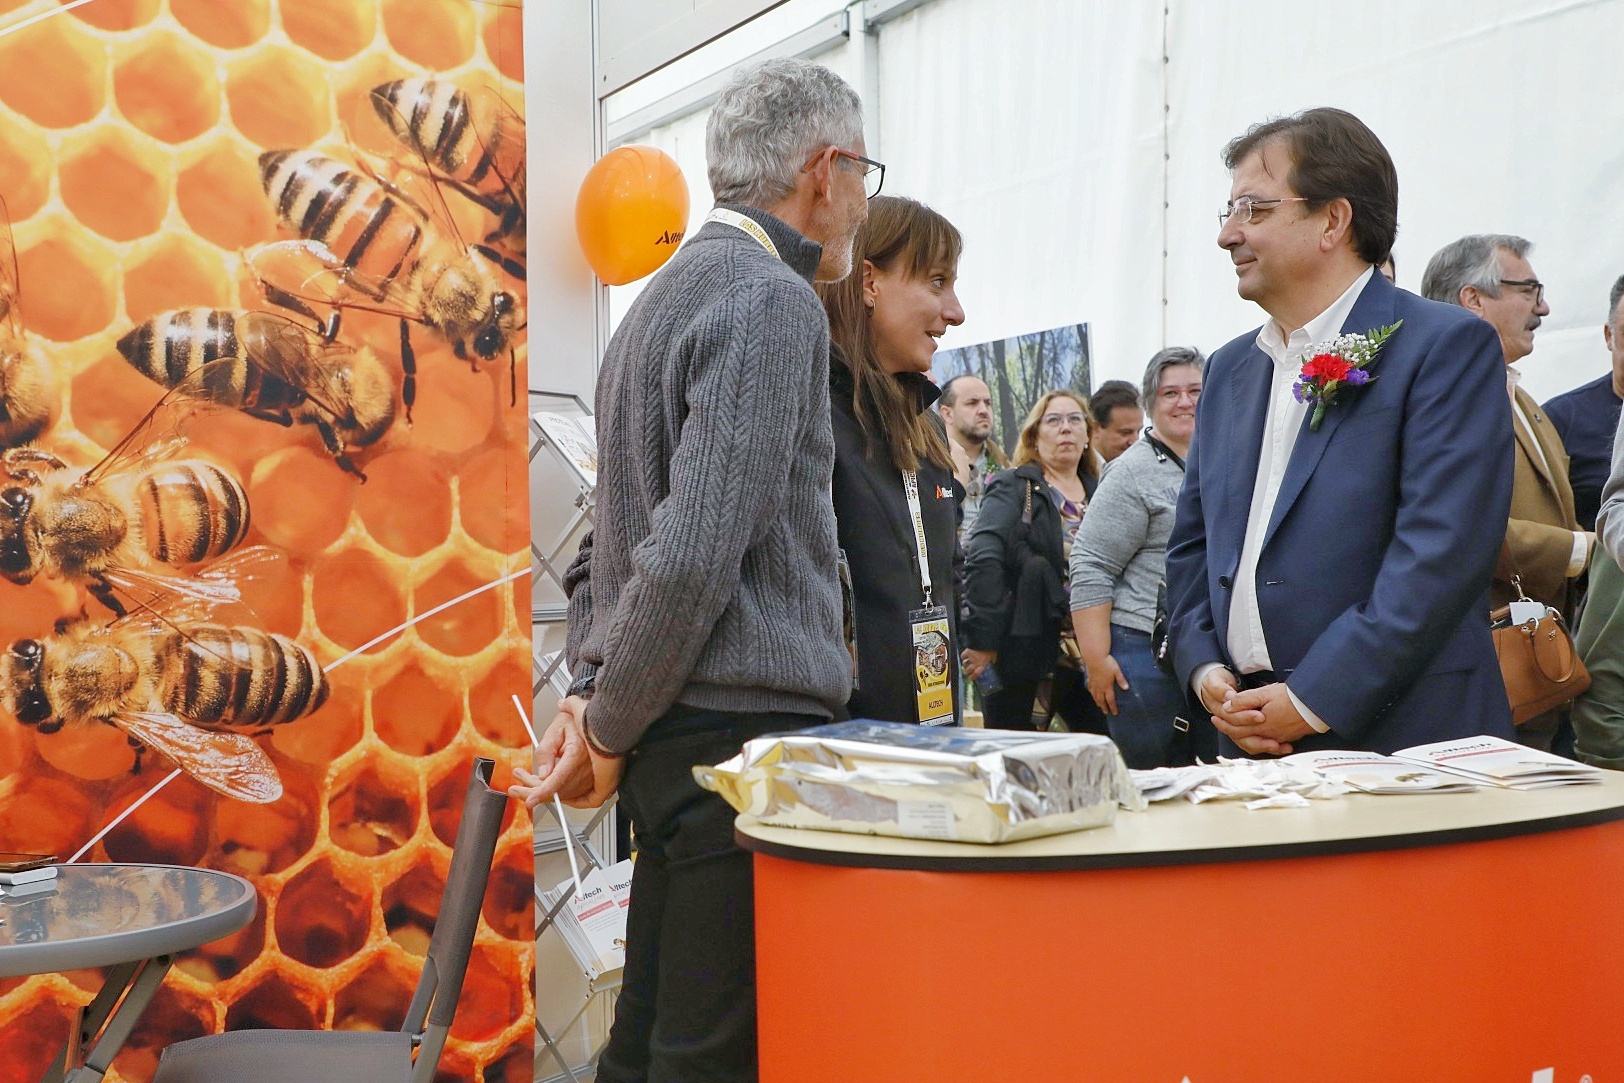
(1249, 406)
(1530, 439)
(1373, 309)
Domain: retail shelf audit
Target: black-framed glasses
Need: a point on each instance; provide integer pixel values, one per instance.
(1239, 211)
(1532, 286)
(873, 172)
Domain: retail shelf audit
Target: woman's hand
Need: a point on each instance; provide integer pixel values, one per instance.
(1104, 678)
(973, 662)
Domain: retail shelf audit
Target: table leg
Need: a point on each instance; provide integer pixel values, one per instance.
(106, 1022)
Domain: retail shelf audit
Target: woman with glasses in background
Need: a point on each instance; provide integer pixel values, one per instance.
(1118, 566)
(1019, 645)
(891, 459)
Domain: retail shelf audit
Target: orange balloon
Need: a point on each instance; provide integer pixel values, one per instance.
(631, 213)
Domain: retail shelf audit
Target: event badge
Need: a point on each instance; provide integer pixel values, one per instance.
(933, 677)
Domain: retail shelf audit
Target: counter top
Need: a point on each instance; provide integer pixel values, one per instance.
(1180, 833)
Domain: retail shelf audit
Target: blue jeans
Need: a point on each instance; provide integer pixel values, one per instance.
(1143, 726)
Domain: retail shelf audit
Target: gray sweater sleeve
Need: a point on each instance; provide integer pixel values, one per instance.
(1112, 532)
(753, 362)
(1610, 520)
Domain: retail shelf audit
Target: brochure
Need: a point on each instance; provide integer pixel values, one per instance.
(1370, 772)
(1492, 761)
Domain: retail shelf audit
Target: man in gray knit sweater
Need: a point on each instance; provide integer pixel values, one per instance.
(707, 610)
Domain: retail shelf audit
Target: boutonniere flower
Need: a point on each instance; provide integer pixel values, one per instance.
(1330, 366)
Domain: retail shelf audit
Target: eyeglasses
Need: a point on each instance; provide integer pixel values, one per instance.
(1054, 421)
(873, 172)
(1173, 394)
(1239, 211)
(1531, 286)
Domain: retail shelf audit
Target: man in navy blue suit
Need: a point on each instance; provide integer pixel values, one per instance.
(1328, 571)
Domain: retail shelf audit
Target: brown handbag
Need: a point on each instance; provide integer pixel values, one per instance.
(1541, 669)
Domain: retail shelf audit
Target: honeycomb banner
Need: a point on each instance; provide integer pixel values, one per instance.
(192, 188)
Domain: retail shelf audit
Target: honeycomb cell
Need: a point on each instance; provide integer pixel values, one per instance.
(89, 750)
(34, 1035)
(410, 904)
(406, 502)
(491, 1000)
(110, 398)
(114, 185)
(301, 499)
(504, 41)
(220, 197)
(466, 627)
(377, 997)
(494, 492)
(74, 93)
(508, 894)
(279, 98)
(173, 1015)
(433, 33)
(229, 956)
(255, 840)
(79, 298)
(331, 31)
(117, 14)
(170, 827)
(175, 271)
(455, 408)
(322, 916)
(342, 579)
(322, 737)
(31, 611)
(490, 703)
(375, 810)
(515, 1064)
(167, 89)
(25, 169)
(414, 714)
(40, 814)
(236, 25)
(278, 1002)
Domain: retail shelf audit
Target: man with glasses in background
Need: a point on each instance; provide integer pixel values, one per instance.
(1546, 549)
(1327, 573)
(706, 609)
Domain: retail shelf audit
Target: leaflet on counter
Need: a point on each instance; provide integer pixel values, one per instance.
(1492, 761)
(1371, 772)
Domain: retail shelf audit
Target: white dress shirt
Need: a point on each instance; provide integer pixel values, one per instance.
(1247, 644)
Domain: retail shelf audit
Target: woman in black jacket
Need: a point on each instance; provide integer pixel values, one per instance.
(884, 319)
(1016, 574)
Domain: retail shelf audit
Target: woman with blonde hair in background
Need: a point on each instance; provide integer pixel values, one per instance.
(1016, 574)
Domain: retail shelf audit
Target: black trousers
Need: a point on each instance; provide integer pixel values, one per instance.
(1010, 708)
(687, 1006)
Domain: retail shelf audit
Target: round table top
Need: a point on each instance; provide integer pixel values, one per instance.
(100, 915)
(1180, 833)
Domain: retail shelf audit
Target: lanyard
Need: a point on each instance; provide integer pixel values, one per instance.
(910, 484)
(748, 225)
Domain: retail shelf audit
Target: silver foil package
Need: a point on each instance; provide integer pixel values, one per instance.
(927, 782)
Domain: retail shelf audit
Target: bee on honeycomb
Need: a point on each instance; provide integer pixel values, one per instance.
(130, 136)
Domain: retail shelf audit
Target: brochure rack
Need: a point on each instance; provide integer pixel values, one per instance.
(573, 1011)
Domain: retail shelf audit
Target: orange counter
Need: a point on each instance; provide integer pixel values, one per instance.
(1464, 937)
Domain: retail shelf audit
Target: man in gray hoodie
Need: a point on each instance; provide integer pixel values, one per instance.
(708, 610)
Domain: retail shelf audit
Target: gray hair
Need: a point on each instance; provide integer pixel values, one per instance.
(769, 120)
(1471, 261)
(1163, 360)
(1613, 299)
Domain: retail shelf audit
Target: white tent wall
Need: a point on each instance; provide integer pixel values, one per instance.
(1039, 128)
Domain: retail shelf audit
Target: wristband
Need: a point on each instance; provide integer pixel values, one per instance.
(599, 750)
